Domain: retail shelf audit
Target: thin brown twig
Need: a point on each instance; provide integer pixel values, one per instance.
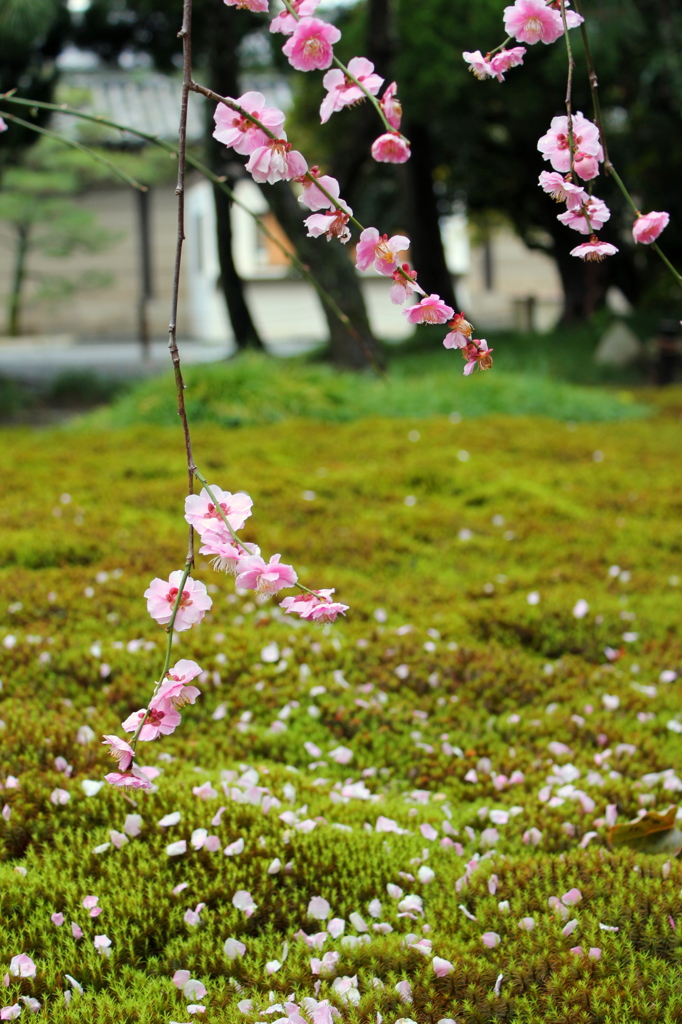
(185, 34)
(569, 85)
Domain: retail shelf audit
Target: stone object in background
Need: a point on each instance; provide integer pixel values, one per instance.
(618, 346)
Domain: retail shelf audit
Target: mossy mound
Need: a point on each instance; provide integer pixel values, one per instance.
(459, 737)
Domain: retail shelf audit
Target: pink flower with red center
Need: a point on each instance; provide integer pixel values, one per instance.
(648, 226)
(276, 161)
(265, 577)
(391, 148)
(315, 607)
(460, 332)
(133, 779)
(257, 6)
(431, 310)
(205, 517)
(159, 721)
(313, 197)
(342, 90)
(506, 59)
(380, 251)
(239, 132)
(333, 225)
(310, 46)
(479, 65)
(477, 354)
(403, 284)
(533, 21)
(121, 751)
(561, 190)
(162, 596)
(590, 216)
(286, 23)
(594, 251)
(554, 145)
(227, 553)
(391, 105)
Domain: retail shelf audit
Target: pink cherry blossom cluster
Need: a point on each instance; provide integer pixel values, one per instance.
(572, 145)
(255, 130)
(384, 254)
(217, 526)
(181, 602)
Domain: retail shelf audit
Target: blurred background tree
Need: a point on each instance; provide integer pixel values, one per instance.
(38, 210)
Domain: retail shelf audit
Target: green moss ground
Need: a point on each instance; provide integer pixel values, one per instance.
(549, 507)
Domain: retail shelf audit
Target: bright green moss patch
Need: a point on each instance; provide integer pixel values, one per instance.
(256, 390)
(474, 713)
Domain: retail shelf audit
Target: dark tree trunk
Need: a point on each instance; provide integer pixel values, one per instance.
(329, 263)
(18, 281)
(222, 72)
(428, 255)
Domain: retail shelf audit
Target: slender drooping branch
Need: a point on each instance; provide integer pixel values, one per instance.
(97, 157)
(569, 86)
(185, 34)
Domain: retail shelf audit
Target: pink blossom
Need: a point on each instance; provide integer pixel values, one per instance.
(162, 595)
(403, 284)
(562, 190)
(533, 21)
(310, 46)
(276, 161)
(333, 225)
(477, 354)
(326, 966)
(10, 1012)
(648, 227)
(3, 126)
(380, 250)
(594, 952)
(460, 332)
(391, 105)
(506, 59)
(570, 898)
(404, 992)
(202, 514)
(594, 250)
(431, 310)
(554, 144)
(76, 930)
(585, 165)
(90, 902)
(342, 90)
(158, 721)
(286, 23)
(478, 64)
(313, 197)
(258, 6)
(132, 779)
(316, 607)
(121, 751)
(227, 553)
(59, 797)
(21, 966)
(57, 920)
(175, 689)
(242, 134)
(318, 908)
(391, 148)
(593, 209)
(192, 917)
(490, 939)
(265, 577)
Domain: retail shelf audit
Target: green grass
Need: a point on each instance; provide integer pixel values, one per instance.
(255, 389)
(544, 515)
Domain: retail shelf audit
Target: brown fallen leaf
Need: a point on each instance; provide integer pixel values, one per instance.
(652, 833)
